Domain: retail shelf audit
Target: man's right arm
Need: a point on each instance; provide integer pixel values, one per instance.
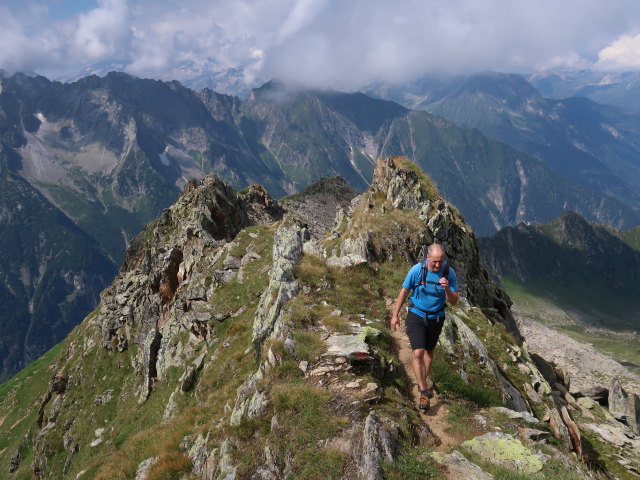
(395, 315)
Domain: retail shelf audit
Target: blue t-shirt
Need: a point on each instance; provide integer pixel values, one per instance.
(428, 297)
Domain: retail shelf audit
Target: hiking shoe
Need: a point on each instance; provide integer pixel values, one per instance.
(427, 391)
(425, 401)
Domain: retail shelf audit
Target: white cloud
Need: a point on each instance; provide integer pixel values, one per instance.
(102, 32)
(333, 43)
(623, 54)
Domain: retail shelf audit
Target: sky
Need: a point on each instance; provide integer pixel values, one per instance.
(322, 43)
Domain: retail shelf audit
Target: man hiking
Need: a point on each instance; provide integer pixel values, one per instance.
(433, 283)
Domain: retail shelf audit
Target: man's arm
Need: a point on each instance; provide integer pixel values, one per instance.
(395, 315)
(452, 297)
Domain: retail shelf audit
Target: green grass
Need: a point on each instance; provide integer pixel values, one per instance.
(412, 464)
(445, 373)
(319, 464)
(308, 345)
(19, 404)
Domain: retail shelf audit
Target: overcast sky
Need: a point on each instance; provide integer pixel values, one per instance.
(333, 43)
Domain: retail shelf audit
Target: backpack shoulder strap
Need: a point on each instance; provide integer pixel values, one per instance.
(445, 272)
(423, 272)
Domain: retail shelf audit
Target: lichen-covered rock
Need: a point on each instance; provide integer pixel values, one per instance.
(523, 415)
(144, 467)
(346, 345)
(379, 444)
(203, 461)
(458, 466)
(610, 433)
(505, 450)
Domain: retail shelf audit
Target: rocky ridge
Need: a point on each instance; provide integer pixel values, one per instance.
(234, 344)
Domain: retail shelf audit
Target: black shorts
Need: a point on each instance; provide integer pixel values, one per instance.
(423, 333)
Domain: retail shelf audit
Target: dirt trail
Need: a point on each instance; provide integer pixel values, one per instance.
(435, 416)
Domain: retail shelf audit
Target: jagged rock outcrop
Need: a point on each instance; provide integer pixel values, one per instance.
(455, 329)
(319, 203)
(287, 251)
(378, 445)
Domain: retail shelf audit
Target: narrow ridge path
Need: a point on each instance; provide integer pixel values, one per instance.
(434, 418)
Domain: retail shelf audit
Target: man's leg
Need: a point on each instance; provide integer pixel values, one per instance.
(428, 360)
(419, 364)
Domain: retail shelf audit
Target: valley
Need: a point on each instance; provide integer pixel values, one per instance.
(542, 303)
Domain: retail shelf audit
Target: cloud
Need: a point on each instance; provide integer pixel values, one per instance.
(623, 54)
(102, 32)
(330, 43)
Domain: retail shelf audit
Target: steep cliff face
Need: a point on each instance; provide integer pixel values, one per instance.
(235, 344)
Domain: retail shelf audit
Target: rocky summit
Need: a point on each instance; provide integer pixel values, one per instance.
(242, 341)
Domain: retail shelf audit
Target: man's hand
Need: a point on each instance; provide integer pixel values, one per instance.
(395, 315)
(444, 283)
(395, 321)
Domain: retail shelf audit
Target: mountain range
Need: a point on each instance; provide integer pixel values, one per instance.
(591, 144)
(235, 343)
(107, 155)
(621, 89)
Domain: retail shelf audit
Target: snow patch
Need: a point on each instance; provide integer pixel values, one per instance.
(496, 196)
(41, 117)
(164, 158)
(612, 131)
(579, 145)
(496, 223)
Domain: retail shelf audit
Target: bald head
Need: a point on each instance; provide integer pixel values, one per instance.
(435, 249)
(435, 257)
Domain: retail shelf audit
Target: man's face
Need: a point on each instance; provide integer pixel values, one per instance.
(435, 260)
